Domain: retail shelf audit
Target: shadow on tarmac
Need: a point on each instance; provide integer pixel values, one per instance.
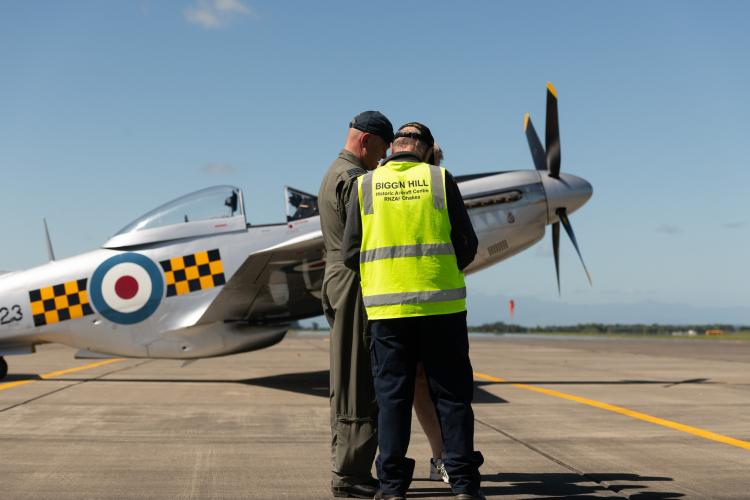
(309, 383)
(484, 397)
(13, 377)
(560, 485)
(316, 383)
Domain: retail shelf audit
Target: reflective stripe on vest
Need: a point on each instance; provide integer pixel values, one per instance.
(388, 299)
(407, 260)
(367, 190)
(407, 251)
(438, 189)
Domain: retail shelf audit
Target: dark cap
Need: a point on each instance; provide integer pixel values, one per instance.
(373, 122)
(423, 135)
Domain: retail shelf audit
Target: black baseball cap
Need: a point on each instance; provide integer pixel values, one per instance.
(373, 122)
(423, 133)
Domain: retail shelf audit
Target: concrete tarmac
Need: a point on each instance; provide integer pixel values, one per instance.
(555, 418)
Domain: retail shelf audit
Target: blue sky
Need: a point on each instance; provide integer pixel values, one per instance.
(108, 109)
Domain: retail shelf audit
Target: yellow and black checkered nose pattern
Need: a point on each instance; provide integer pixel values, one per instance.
(190, 273)
(53, 304)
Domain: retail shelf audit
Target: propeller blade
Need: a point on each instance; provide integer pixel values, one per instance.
(535, 145)
(563, 215)
(552, 133)
(556, 251)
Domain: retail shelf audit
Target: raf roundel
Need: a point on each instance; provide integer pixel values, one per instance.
(127, 288)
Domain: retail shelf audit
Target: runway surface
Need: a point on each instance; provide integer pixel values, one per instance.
(555, 418)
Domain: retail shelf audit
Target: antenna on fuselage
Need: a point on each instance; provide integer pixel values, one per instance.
(50, 252)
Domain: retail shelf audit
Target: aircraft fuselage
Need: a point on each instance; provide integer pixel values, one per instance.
(92, 302)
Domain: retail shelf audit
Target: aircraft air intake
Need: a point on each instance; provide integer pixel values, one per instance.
(492, 198)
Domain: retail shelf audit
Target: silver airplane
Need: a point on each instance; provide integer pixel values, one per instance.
(193, 279)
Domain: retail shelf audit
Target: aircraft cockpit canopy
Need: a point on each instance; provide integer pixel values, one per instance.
(214, 210)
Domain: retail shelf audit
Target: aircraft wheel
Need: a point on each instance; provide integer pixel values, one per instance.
(3, 368)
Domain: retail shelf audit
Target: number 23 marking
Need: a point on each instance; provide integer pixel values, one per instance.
(10, 315)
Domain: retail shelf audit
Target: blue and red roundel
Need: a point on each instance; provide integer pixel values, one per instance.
(127, 288)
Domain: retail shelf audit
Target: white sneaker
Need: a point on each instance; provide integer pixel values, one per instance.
(437, 471)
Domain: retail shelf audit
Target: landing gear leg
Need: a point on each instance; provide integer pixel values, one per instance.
(3, 368)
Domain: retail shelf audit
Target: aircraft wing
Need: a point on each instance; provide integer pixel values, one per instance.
(280, 283)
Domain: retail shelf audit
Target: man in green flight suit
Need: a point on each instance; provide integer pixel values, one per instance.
(353, 406)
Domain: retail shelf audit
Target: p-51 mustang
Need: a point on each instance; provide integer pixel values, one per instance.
(192, 279)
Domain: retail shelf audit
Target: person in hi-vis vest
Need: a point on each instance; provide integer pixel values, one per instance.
(409, 236)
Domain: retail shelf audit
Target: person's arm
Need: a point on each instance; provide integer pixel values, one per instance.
(463, 237)
(351, 243)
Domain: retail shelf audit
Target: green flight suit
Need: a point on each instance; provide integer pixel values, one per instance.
(352, 396)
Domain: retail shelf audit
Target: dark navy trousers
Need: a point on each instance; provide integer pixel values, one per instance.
(441, 343)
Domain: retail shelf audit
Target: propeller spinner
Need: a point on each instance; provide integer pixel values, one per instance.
(565, 192)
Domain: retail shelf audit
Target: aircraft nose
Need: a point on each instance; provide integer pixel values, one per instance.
(569, 191)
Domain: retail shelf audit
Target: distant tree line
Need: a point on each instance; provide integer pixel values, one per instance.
(652, 329)
(642, 329)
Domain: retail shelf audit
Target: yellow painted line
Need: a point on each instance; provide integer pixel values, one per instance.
(80, 368)
(9, 385)
(51, 375)
(695, 431)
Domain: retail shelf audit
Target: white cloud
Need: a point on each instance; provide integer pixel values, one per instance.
(231, 6)
(212, 14)
(735, 225)
(218, 168)
(202, 17)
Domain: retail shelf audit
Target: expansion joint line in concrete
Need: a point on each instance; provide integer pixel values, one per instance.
(551, 458)
(51, 376)
(695, 431)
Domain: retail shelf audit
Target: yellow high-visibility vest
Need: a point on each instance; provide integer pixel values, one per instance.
(407, 261)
